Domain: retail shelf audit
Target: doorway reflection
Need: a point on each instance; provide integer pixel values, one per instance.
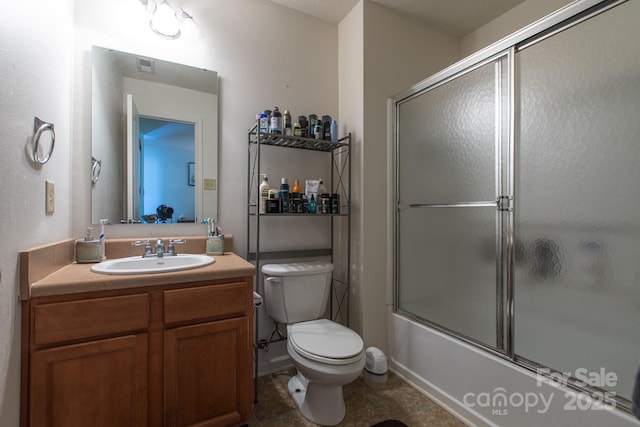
(167, 156)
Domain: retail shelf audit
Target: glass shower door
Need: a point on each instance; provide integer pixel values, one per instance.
(449, 175)
(577, 212)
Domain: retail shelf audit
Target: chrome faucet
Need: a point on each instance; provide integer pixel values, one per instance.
(171, 251)
(159, 248)
(147, 247)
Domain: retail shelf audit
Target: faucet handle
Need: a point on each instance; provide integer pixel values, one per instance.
(146, 244)
(172, 250)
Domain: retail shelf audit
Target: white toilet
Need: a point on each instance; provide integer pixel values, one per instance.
(326, 354)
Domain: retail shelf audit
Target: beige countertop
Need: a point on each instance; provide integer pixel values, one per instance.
(75, 278)
(44, 272)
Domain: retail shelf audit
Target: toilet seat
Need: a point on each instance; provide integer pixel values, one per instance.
(326, 342)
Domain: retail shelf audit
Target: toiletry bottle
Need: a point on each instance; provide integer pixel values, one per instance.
(312, 204)
(304, 126)
(276, 121)
(264, 193)
(334, 206)
(297, 129)
(296, 187)
(334, 131)
(284, 196)
(325, 203)
(287, 123)
(317, 130)
(321, 187)
(264, 121)
(313, 120)
(326, 128)
(273, 203)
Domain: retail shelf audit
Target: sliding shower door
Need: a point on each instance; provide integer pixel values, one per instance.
(577, 280)
(518, 199)
(447, 187)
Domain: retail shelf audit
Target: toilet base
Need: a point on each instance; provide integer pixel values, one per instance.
(318, 403)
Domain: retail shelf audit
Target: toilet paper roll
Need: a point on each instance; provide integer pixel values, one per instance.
(257, 300)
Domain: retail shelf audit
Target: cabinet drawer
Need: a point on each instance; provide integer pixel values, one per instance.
(72, 320)
(182, 305)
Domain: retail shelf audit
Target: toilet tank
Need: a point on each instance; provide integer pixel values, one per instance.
(296, 292)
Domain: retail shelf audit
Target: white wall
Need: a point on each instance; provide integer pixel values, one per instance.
(36, 70)
(351, 84)
(511, 21)
(290, 62)
(265, 55)
(398, 51)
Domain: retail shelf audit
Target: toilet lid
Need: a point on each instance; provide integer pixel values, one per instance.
(326, 341)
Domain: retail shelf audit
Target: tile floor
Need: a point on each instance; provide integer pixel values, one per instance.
(365, 406)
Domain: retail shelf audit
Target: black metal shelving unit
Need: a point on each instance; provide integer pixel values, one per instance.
(339, 154)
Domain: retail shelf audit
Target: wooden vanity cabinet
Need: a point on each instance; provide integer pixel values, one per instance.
(206, 379)
(176, 355)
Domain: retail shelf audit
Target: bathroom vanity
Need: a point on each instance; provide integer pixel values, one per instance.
(172, 349)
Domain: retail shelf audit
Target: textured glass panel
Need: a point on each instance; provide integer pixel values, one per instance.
(447, 268)
(447, 150)
(577, 271)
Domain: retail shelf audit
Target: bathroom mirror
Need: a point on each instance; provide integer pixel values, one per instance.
(154, 140)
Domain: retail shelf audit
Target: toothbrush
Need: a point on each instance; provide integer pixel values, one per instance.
(102, 223)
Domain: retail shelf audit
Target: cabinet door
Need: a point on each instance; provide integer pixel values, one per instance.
(208, 374)
(98, 383)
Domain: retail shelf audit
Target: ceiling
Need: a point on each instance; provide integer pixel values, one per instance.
(455, 17)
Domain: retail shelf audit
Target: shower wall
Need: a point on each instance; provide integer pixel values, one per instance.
(517, 226)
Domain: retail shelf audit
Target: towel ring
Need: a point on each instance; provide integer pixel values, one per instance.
(96, 167)
(40, 127)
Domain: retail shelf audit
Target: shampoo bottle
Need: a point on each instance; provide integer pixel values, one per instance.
(284, 196)
(264, 193)
(276, 121)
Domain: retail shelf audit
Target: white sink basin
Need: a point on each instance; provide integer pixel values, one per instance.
(139, 265)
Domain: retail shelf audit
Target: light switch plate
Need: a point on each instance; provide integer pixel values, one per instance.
(209, 184)
(50, 197)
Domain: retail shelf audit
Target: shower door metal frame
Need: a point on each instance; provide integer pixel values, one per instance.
(502, 198)
(566, 17)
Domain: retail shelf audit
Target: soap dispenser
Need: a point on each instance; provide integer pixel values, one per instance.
(89, 249)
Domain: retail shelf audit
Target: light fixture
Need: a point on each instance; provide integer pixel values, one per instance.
(165, 20)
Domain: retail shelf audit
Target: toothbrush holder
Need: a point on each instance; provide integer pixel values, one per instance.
(215, 245)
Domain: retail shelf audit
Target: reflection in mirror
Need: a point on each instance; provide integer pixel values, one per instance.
(155, 134)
